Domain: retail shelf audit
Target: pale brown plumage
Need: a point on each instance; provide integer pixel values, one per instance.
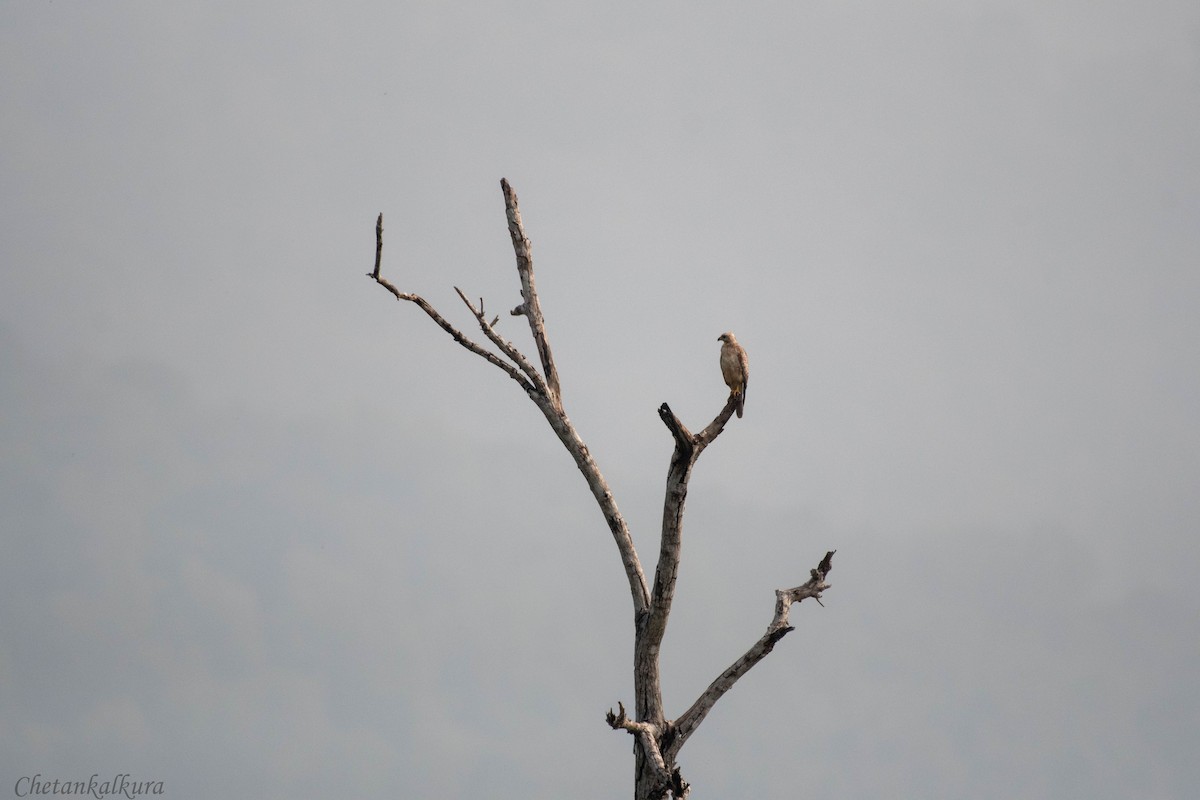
(735, 368)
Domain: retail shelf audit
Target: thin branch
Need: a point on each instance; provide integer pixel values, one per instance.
(638, 588)
(705, 437)
(454, 332)
(686, 724)
(531, 308)
(505, 346)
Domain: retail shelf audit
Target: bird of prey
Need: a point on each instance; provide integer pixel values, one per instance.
(735, 368)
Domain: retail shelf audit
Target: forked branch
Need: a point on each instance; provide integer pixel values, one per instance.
(454, 332)
(686, 724)
(666, 778)
(688, 447)
(506, 347)
(542, 388)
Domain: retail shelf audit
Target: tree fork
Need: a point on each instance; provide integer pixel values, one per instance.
(657, 740)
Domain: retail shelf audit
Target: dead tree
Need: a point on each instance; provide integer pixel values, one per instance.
(657, 738)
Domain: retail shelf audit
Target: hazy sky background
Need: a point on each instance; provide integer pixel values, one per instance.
(270, 534)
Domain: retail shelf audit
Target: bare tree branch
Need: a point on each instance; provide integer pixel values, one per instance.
(688, 448)
(705, 437)
(687, 723)
(683, 437)
(543, 392)
(531, 307)
(604, 498)
(505, 346)
(454, 332)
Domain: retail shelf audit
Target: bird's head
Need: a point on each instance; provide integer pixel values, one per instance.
(726, 337)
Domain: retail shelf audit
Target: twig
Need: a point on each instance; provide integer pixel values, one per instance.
(505, 346)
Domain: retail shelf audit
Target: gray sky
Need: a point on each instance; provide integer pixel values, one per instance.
(270, 534)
